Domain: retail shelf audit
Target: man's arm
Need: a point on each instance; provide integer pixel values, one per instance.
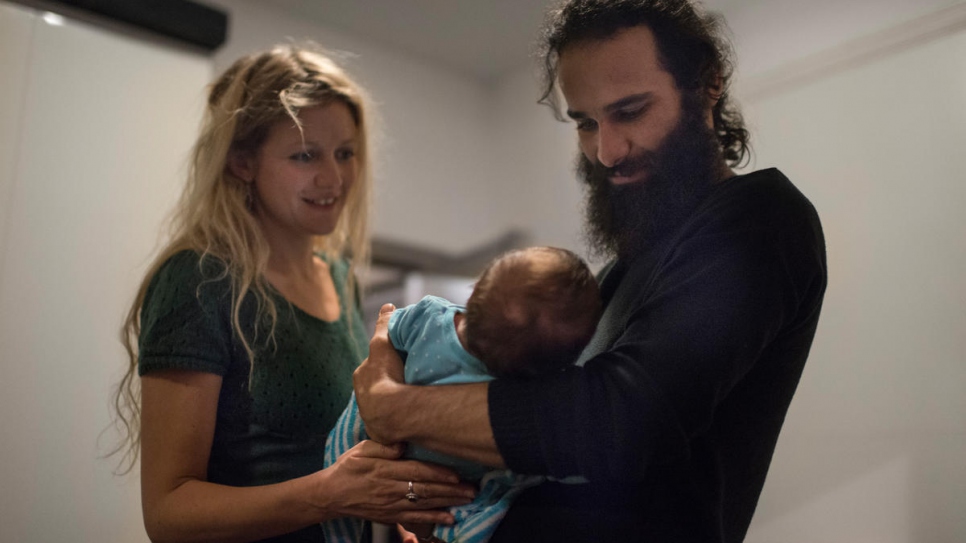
(452, 419)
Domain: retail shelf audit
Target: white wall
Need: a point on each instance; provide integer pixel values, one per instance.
(434, 178)
(15, 35)
(94, 135)
(874, 443)
(767, 35)
(537, 156)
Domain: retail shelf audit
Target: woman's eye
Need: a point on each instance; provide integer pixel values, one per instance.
(304, 156)
(345, 154)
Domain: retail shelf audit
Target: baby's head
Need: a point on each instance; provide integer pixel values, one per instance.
(532, 311)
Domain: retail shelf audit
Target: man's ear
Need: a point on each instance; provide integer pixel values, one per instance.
(714, 91)
(241, 165)
(713, 94)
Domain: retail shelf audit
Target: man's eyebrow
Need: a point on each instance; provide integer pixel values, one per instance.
(633, 99)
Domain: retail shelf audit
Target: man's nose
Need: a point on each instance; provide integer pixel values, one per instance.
(612, 146)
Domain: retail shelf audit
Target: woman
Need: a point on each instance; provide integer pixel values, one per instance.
(246, 330)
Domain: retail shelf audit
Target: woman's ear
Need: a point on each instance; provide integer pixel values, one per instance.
(241, 165)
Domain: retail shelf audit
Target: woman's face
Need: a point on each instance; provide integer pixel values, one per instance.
(302, 178)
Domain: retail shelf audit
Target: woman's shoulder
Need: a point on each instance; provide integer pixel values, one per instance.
(189, 273)
(185, 316)
(189, 265)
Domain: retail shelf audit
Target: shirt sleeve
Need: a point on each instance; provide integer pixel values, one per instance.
(404, 323)
(719, 300)
(185, 318)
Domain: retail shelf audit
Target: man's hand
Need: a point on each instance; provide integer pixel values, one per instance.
(376, 379)
(451, 419)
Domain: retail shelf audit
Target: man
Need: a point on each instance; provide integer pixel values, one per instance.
(712, 300)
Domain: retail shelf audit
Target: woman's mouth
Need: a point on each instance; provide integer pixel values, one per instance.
(322, 201)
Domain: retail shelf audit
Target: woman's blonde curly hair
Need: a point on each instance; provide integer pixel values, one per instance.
(214, 217)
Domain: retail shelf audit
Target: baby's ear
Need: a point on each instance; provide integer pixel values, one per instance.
(241, 165)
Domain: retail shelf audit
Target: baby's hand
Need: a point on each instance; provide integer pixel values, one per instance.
(416, 533)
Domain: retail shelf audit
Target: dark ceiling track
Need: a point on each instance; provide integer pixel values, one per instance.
(186, 22)
(408, 257)
(400, 258)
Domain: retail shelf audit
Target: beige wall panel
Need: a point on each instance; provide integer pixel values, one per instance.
(107, 122)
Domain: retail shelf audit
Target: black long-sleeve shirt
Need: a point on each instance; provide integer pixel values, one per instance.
(675, 418)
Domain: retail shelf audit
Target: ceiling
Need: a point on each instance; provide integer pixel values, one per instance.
(485, 39)
(479, 38)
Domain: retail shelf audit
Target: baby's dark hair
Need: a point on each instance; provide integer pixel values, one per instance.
(532, 311)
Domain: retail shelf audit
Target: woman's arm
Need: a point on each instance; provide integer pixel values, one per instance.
(178, 422)
(452, 419)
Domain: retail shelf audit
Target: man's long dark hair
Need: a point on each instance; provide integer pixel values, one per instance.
(691, 47)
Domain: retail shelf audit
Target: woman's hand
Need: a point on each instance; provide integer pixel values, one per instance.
(369, 481)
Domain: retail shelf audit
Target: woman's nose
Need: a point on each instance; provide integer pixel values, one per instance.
(329, 173)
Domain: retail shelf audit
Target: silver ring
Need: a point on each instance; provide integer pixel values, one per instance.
(411, 495)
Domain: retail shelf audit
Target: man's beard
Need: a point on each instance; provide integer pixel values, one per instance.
(622, 220)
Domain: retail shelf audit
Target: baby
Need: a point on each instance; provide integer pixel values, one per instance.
(531, 312)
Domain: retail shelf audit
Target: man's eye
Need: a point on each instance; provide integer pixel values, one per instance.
(586, 125)
(629, 114)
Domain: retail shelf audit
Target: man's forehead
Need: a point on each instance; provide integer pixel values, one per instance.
(636, 42)
(609, 69)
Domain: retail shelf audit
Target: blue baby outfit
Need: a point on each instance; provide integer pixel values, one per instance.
(426, 334)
